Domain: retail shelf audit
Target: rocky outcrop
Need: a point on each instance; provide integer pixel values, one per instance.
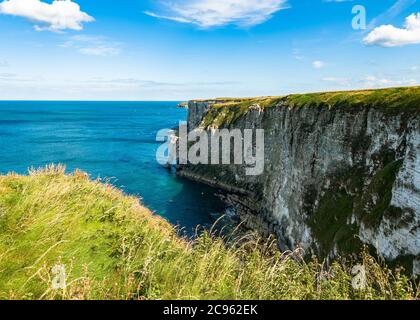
(341, 170)
(183, 105)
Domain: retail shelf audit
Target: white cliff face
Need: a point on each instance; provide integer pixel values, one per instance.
(330, 175)
(401, 235)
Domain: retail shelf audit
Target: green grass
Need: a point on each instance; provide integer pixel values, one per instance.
(114, 248)
(330, 224)
(380, 188)
(393, 100)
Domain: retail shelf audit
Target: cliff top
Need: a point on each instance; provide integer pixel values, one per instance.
(391, 100)
(389, 97)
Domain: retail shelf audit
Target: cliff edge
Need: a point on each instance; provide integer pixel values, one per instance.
(342, 169)
(66, 237)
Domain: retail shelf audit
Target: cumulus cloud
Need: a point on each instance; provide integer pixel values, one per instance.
(216, 13)
(57, 16)
(390, 36)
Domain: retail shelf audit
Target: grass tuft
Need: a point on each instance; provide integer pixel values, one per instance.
(108, 246)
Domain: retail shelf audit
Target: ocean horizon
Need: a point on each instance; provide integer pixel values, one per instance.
(113, 140)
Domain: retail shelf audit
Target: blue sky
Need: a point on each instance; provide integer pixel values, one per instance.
(184, 49)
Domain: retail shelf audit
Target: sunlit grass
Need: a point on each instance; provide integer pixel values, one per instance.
(114, 248)
(225, 111)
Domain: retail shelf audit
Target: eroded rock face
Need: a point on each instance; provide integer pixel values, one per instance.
(196, 111)
(333, 180)
(400, 234)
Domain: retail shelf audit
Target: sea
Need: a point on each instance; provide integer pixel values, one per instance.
(114, 141)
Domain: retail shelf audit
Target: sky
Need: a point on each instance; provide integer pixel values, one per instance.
(187, 49)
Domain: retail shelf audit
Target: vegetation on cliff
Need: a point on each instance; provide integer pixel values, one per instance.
(226, 111)
(108, 246)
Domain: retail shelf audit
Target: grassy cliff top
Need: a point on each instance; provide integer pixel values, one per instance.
(102, 244)
(226, 110)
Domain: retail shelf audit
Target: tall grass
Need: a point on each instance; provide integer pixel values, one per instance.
(111, 247)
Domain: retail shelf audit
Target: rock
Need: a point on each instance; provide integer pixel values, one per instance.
(183, 105)
(336, 177)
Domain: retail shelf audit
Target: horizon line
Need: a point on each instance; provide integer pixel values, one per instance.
(76, 100)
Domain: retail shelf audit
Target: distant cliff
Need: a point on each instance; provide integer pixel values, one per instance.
(342, 169)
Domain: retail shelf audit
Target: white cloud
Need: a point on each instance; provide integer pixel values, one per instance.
(371, 81)
(297, 54)
(10, 78)
(103, 51)
(61, 86)
(93, 45)
(318, 64)
(340, 81)
(215, 13)
(141, 83)
(57, 16)
(7, 76)
(390, 36)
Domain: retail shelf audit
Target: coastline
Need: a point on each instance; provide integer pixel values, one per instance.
(340, 163)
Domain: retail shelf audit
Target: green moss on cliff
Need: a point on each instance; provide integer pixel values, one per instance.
(330, 224)
(226, 111)
(375, 201)
(355, 195)
(407, 98)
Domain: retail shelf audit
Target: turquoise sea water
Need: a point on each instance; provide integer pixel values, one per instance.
(116, 140)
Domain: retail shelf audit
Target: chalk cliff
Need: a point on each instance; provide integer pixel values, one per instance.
(342, 169)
